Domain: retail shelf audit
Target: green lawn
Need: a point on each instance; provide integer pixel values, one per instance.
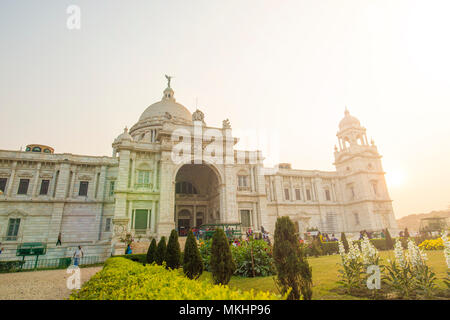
(325, 274)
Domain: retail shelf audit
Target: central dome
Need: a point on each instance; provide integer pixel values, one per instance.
(167, 105)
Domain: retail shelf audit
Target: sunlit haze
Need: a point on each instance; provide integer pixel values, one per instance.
(282, 69)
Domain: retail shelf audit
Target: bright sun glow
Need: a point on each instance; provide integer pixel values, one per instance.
(395, 178)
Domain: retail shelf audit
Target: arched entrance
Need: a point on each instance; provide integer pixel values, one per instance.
(197, 197)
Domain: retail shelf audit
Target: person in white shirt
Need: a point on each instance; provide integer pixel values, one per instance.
(77, 256)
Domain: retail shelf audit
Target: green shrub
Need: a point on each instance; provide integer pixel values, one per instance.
(122, 279)
(10, 266)
(192, 261)
(260, 265)
(344, 241)
(389, 241)
(160, 256)
(137, 257)
(205, 253)
(173, 251)
(151, 253)
(222, 264)
(294, 275)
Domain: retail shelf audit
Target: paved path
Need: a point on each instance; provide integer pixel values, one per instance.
(39, 285)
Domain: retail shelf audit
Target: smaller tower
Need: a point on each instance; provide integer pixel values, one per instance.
(364, 190)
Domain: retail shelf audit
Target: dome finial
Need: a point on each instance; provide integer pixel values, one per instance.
(346, 112)
(168, 80)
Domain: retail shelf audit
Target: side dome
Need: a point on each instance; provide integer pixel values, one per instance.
(167, 105)
(349, 121)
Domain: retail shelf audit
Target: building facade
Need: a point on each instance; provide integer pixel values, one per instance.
(172, 171)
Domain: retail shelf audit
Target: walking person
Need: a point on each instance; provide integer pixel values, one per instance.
(59, 239)
(77, 256)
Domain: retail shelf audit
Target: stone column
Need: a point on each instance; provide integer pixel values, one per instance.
(153, 217)
(167, 197)
(11, 179)
(36, 180)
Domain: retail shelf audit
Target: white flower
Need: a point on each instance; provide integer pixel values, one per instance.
(398, 252)
(415, 256)
(446, 242)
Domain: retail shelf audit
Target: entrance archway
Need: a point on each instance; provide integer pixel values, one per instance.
(197, 196)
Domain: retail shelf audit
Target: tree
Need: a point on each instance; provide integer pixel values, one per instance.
(389, 241)
(151, 253)
(173, 251)
(344, 241)
(293, 270)
(192, 261)
(222, 264)
(160, 256)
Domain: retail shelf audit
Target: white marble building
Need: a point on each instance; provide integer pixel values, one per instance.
(143, 190)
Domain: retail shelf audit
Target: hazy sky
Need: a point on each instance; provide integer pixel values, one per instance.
(284, 68)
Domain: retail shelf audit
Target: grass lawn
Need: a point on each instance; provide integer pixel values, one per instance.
(325, 275)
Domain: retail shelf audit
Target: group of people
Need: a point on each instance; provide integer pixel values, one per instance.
(325, 237)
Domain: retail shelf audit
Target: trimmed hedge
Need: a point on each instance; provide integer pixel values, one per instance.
(122, 279)
(10, 266)
(137, 257)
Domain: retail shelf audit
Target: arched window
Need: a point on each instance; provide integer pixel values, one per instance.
(47, 151)
(36, 149)
(185, 187)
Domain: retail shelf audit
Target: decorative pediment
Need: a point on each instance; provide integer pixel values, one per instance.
(46, 175)
(17, 213)
(25, 174)
(84, 177)
(5, 173)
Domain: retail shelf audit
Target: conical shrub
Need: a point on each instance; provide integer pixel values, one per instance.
(160, 256)
(344, 241)
(293, 270)
(222, 264)
(192, 261)
(389, 241)
(151, 252)
(173, 251)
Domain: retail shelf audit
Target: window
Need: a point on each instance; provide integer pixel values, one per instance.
(143, 178)
(3, 184)
(374, 186)
(245, 218)
(297, 194)
(83, 188)
(44, 187)
(108, 225)
(36, 149)
(13, 229)
(185, 188)
(140, 219)
(286, 193)
(327, 195)
(47, 151)
(352, 190)
(356, 215)
(112, 184)
(308, 194)
(243, 181)
(28, 149)
(23, 186)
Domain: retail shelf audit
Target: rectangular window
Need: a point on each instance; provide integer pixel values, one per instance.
(143, 177)
(286, 194)
(245, 218)
(356, 218)
(3, 184)
(327, 195)
(140, 219)
(297, 194)
(112, 184)
(352, 190)
(242, 181)
(308, 194)
(374, 186)
(23, 186)
(44, 187)
(13, 229)
(83, 188)
(108, 225)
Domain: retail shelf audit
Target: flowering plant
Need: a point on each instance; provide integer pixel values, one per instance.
(446, 245)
